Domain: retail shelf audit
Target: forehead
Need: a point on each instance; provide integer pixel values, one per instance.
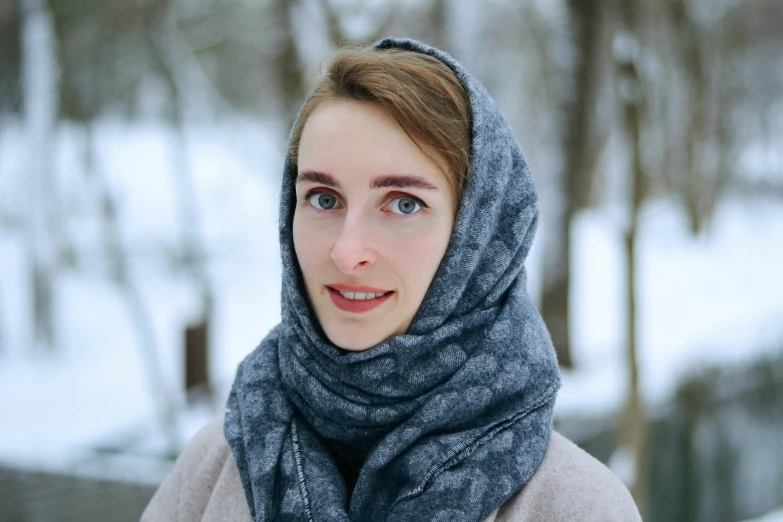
(360, 140)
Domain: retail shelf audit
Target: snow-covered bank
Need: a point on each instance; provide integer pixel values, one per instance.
(709, 300)
(773, 516)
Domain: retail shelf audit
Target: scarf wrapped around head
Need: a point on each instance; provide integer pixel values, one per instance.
(455, 415)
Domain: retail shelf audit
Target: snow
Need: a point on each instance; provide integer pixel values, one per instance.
(713, 299)
(708, 300)
(772, 516)
(94, 390)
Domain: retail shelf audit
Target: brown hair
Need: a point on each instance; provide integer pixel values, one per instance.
(422, 93)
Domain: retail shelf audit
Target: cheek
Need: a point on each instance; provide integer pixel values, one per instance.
(311, 245)
(418, 261)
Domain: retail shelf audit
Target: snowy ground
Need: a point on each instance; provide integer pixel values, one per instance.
(95, 389)
(774, 516)
(716, 299)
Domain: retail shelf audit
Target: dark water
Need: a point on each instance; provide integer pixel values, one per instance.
(716, 451)
(39, 497)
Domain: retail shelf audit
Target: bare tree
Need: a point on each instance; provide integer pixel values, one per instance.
(438, 22)
(2, 324)
(170, 57)
(139, 315)
(383, 17)
(10, 57)
(584, 137)
(632, 97)
(721, 61)
(706, 147)
(39, 78)
(287, 63)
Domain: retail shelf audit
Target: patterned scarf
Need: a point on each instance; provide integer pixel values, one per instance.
(454, 416)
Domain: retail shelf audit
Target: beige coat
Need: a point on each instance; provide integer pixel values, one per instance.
(569, 485)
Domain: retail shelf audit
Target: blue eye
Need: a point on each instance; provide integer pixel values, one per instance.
(322, 200)
(405, 206)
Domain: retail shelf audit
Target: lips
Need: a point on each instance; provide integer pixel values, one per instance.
(363, 289)
(355, 306)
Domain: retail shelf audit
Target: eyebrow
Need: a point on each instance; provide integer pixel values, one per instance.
(384, 181)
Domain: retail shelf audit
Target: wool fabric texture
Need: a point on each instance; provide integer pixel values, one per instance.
(455, 415)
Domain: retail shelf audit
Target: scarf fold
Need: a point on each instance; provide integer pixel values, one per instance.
(455, 415)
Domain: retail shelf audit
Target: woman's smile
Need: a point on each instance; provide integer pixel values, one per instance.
(357, 299)
(357, 302)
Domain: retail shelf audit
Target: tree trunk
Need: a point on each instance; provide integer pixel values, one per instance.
(288, 66)
(118, 263)
(197, 381)
(437, 21)
(583, 140)
(159, 23)
(634, 429)
(39, 80)
(2, 324)
(701, 54)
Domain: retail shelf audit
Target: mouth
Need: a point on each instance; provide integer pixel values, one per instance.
(358, 302)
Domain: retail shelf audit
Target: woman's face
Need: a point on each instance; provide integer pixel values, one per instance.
(374, 215)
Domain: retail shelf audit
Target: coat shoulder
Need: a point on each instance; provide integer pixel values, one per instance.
(204, 485)
(570, 485)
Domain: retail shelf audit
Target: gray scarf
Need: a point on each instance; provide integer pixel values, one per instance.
(455, 415)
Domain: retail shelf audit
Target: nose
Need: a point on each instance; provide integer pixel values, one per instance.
(353, 251)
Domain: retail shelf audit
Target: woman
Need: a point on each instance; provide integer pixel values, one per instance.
(411, 377)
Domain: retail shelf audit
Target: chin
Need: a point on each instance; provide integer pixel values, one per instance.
(354, 343)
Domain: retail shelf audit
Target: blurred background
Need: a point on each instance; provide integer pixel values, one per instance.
(141, 149)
